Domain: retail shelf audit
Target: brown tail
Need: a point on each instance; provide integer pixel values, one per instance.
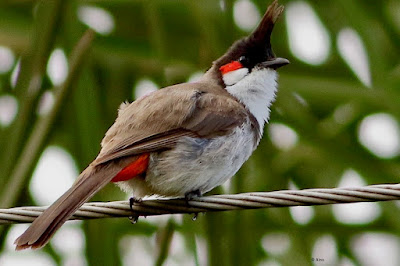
(89, 182)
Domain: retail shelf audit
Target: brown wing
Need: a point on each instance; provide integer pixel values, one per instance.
(191, 109)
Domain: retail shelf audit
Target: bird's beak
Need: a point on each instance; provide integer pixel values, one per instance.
(274, 63)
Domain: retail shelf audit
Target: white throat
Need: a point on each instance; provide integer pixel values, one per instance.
(257, 92)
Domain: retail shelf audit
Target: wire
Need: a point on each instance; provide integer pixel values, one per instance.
(253, 200)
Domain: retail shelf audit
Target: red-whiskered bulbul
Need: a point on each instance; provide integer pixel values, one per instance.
(182, 140)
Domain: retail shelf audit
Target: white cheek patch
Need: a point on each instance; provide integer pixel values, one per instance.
(234, 76)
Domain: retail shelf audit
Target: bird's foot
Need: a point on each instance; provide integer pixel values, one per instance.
(135, 217)
(134, 200)
(192, 195)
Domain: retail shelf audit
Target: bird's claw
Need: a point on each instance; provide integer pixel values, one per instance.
(135, 217)
(192, 195)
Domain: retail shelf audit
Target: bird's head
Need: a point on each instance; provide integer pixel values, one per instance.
(251, 53)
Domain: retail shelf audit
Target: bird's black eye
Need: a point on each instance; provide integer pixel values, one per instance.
(243, 60)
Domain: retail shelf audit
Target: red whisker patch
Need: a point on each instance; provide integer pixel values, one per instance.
(234, 65)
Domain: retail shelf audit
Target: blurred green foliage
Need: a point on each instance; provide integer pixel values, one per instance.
(167, 41)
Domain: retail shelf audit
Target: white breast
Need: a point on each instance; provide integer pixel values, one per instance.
(195, 164)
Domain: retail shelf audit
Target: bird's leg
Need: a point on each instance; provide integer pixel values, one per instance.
(192, 195)
(135, 217)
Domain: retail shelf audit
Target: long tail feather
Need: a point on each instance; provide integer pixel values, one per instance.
(89, 182)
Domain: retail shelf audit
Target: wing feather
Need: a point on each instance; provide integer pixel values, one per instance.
(184, 110)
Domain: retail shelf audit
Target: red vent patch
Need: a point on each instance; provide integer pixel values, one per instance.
(135, 168)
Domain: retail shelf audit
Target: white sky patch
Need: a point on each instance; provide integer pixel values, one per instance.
(144, 87)
(137, 250)
(246, 15)
(377, 249)
(7, 59)
(196, 76)
(309, 40)
(276, 243)
(99, 19)
(352, 50)
(282, 136)
(8, 109)
(345, 261)
(355, 213)
(325, 248)
(57, 67)
(380, 133)
(300, 214)
(46, 102)
(14, 74)
(54, 174)
(69, 241)
(178, 254)
(15, 231)
(34, 258)
(27, 257)
(222, 5)
(201, 249)
(269, 262)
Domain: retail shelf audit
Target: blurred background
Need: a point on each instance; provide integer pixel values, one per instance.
(335, 123)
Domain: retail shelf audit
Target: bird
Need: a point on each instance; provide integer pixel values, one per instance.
(182, 140)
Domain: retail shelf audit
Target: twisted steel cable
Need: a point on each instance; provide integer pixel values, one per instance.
(252, 200)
